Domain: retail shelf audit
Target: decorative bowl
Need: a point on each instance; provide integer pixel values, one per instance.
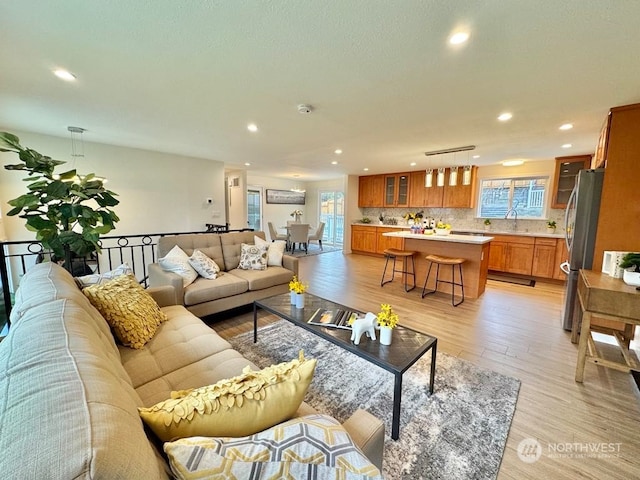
(442, 231)
(631, 278)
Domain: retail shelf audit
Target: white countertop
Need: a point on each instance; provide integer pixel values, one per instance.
(472, 231)
(473, 239)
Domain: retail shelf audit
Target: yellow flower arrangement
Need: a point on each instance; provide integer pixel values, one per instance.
(387, 317)
(297, 286)
(413, 216)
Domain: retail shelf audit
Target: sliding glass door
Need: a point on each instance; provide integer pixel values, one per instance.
(254, 208)
(332, 214)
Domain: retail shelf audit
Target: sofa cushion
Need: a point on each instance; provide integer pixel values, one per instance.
(203, 290)
(177, 261)
(236, 406)
(231, 245)
(178, 342)
(207, 243)
(205, 266)
(313, 446)
(132, 313)
(253, 257)
(98, 278)
(275, 250)
(260, 279)
(67, 408)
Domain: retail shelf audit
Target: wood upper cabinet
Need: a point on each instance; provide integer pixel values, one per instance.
(567, 169)
(417, 190)
(544, 257)
(371, 191)
(460, 196)
(396, 190)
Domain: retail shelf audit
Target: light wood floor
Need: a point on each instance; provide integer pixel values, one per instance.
(513, 330)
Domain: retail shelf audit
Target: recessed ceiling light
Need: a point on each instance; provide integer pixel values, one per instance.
(365, 169)
(334, 162)
(566, 126)
(252, 127)
(64, 75)
(476, 156)
(458, 38)
(512, 163)
(247, 164)
(503, 117)
(567, 145)
(413, 164)
(338, 151)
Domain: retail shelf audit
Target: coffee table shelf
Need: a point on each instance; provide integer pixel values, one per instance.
(407, 347)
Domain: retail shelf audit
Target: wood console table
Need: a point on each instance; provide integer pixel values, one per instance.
(612, 299)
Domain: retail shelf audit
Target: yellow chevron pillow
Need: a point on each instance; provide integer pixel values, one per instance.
(131, 312)
(233, 407)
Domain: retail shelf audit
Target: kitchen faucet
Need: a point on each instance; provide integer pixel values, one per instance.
(515, 217)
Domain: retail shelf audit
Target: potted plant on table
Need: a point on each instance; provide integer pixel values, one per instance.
(297, 289)
(296, 214)
(551, 226)
(631, 265)
(67, 211)
(487, 224)
(387, 321)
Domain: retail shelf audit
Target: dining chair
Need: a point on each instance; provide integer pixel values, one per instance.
(317, 235)
(299, 233)
(275, 235)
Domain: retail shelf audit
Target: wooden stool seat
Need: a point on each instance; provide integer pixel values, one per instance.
(405, 255)
(441, 260)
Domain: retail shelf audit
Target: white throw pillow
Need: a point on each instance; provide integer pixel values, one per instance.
(252, 257)
(275, 250)
(177, 261)
(100, 278)
(205, 266)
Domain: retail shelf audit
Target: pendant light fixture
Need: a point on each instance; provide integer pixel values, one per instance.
(440, 178)
(428, 179)
(453, 172)
(466, 175)
(77, 143)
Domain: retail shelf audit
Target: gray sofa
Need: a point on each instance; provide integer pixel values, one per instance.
(70, 394)
(232, 289)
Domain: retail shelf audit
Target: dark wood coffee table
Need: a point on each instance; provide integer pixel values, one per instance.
(407, 347)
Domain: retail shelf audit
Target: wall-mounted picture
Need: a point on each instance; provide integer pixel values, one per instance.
(285, 197)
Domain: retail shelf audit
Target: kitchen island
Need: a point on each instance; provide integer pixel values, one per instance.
(473, 248)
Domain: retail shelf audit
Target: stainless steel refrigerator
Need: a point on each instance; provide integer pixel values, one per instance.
(581, 224)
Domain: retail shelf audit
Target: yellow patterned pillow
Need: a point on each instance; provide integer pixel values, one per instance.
(234, 407)
(131, 312)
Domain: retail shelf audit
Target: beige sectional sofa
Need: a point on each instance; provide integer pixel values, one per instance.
(70, 395)
(235, 287)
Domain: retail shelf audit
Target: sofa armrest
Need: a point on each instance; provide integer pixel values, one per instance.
(367, 432)
(290, 263)
(164, 295)
(159, 278)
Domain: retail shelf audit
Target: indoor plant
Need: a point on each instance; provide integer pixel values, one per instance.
(631, 265)
(487, 224)
(551, 226)
(67, 211)
(387, 321)
(381, 218)
(296, 214)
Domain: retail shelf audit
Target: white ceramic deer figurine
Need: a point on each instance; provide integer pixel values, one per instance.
(364, 325)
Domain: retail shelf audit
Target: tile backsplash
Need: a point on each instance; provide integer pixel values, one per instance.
(465, 219)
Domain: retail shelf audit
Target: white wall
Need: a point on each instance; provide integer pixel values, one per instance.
(237, 198)
(158, 192)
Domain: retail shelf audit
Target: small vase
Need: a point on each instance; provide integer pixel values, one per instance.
(551, 230)
(487, 228)
(385, 335)
(299, 300)
(293, 297)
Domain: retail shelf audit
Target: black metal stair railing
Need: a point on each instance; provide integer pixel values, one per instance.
(137, 250)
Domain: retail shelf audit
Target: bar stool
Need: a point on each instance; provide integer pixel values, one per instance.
(405, 255)
(440, 260)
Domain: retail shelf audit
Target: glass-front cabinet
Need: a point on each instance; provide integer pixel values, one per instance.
(396, 190)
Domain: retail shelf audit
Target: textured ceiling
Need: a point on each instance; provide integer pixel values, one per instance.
(188, 76)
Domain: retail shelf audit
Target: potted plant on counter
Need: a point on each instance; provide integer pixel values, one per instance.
(551, 226)
(487, 224)
(631, 265)
(381, 219)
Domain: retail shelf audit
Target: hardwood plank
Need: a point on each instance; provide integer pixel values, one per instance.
(513, 330)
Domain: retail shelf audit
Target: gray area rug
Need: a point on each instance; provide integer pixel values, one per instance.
(459, 432)
(314, 249)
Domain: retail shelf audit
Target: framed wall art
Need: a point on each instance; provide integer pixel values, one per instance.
(285, 197)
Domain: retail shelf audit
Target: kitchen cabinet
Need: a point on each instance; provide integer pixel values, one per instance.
(562, 255)
(417, 190)
(544, 257)
(382, 243)
(396, 190)
(363, 239)
(566, 171)
(371, 191)
(511, 254)
(618, 225)
(599, 158)
(460, 196)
